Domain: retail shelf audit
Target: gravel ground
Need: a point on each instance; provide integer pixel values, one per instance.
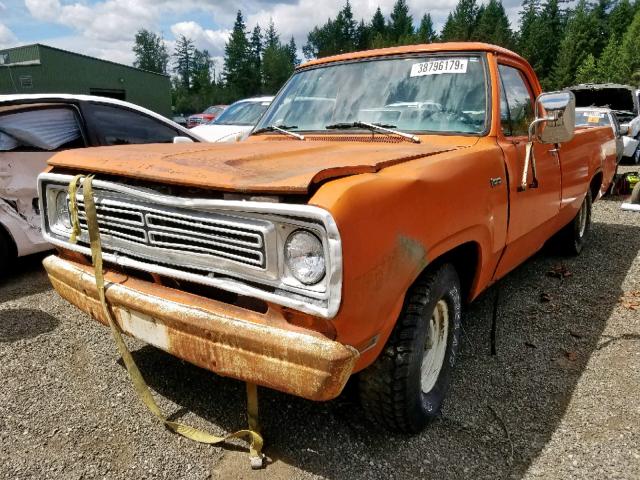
(561, 399)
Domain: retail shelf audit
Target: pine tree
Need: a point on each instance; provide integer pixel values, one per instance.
(256, 48)
(271, 36)
(587, 71)
(547, 40)
(378, 23)
(293, 53)
(238, 72)
(461, 23)
(493, 25)
(629, 61)
(609, 62)
(426, 32)
(578, 42)
(345, 30)
(183, 56)
(620, 18)
(363, 36)
(151, 52)
(529, 30)
(401, 23)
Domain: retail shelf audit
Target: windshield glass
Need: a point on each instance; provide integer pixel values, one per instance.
(427, 93)
(242, 113)
(213, 110)
(589, 118)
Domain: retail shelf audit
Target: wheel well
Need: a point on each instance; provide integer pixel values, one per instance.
(4, 234)
(464, 259)
(594, 186)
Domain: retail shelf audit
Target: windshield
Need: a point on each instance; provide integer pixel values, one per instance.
(213, 110)
(242, 113)
(589, 118)
(427, 93)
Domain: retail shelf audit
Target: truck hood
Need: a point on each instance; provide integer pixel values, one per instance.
(275, 165)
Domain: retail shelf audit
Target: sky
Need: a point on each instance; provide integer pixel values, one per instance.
(106, 28)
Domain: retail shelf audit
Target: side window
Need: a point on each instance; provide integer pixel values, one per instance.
(37, 129)
(516, 103)
(119, 126)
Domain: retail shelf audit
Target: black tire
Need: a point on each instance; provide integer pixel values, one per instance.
(573, 237)
(635, 194)
(7, 252)
(391, 388)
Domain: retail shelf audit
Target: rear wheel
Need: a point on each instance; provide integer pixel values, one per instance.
(573, 237)
(635, 194)
(405, 387)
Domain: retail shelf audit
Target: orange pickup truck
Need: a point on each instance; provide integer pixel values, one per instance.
(380, 192)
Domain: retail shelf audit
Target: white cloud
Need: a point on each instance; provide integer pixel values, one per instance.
(203, 38)
(7, 37)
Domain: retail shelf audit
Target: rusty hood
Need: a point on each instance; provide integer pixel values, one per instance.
(283, 166)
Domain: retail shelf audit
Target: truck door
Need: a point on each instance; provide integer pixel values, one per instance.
(532, 211)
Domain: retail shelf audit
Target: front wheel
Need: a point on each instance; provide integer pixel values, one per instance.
(405, 387)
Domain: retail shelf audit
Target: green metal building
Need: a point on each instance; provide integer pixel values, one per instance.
(42, 69)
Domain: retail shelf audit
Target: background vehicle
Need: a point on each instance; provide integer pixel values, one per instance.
(341, 246)
(35, 127)
(208, 115)
(236, 122)
(601, 117)
(623, 101)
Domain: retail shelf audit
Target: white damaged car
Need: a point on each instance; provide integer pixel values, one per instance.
(623, 101)
(236, 122)
(35, 127)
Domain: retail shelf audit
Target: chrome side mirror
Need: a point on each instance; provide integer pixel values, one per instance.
(555, 123)
(555, 117)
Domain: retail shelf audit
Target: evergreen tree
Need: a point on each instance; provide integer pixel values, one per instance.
(601, 19)
(151, 52)
(578, 42)
(345, 30)
(183, 57)
(256, 48)
(293, 53)
(426, 32)
(620, 18)
(547, 40)
(238, 71)
(401, 23)
(271, 37)
(462, 22)
(587, 71)
(277, 63)
(335, 36)
(493, 25)
(609, 62)
(363, 36)
(378, 24)
(629, 61)
(528, 41)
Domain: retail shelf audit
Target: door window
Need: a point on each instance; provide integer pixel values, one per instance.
(49, 129)
(516, 102)
(119, 126)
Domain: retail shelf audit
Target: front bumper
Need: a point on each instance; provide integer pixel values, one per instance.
(225, 339)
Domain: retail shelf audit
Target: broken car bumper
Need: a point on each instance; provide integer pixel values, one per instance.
(211, 334)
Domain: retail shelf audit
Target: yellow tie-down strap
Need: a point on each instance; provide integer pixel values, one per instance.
(141, 387)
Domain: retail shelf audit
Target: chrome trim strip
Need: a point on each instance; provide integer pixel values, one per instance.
(321, 303)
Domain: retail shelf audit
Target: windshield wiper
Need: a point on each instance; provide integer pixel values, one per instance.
(284, 129)
(374, 127)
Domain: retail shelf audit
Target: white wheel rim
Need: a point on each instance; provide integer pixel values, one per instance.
(583, 218)
(435, 347)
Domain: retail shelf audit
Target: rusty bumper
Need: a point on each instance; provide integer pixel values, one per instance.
(211, 334)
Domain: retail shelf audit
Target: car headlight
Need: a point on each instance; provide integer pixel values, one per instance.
(304, 256)
(63, 217)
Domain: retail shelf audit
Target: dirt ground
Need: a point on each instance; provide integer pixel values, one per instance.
(561, 399)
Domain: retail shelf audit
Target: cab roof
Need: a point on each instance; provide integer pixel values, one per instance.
(409, 49)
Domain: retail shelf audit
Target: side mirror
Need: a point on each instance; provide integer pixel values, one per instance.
(624, 130)
(182, 140)
(555, 117)
(555, 123)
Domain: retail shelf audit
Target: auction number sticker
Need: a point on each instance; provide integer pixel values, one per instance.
(438, 67)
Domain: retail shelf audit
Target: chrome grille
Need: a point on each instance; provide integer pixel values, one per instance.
(176, 230)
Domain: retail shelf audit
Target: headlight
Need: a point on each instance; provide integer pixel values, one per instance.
(63, 218)
(304, 255)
